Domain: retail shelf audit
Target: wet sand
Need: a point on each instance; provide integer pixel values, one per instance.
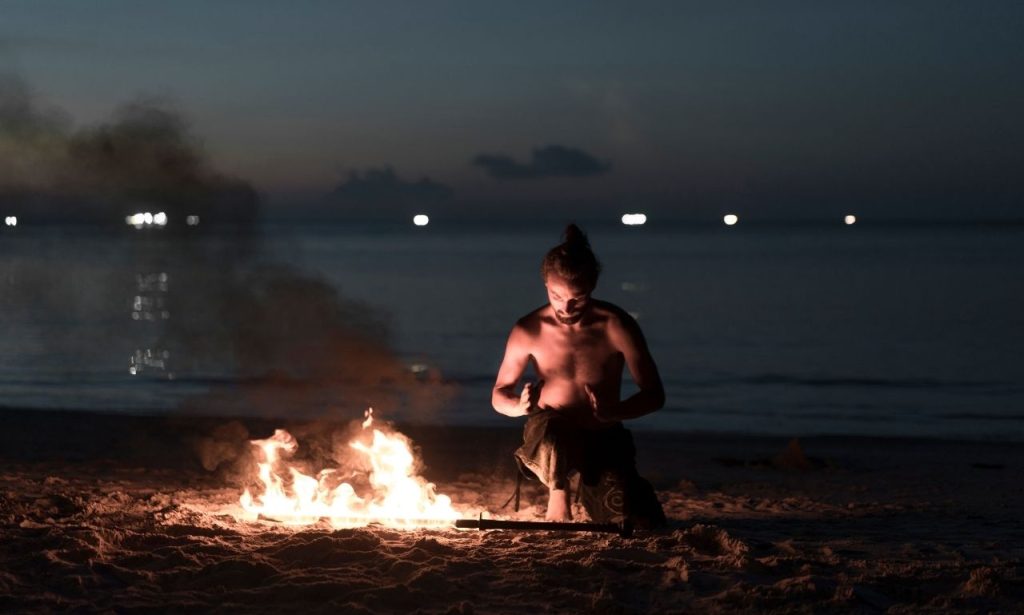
(105, 512)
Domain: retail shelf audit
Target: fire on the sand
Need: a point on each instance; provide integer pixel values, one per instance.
(396, 496)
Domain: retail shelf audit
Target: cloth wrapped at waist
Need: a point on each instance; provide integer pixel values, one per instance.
(555, 445)
(611, 490)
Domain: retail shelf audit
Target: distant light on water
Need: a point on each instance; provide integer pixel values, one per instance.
(192, 220)
(634, 219)
(145, 218)
(11, 220)
(633, 287)
(731, 219)
(850, 219)
(421, 220)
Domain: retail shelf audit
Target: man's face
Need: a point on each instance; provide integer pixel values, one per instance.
(568, 300)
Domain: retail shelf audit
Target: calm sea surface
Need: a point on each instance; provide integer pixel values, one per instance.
(770, 330)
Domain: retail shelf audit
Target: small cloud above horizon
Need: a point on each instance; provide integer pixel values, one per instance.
(548, 161)
(376, 187)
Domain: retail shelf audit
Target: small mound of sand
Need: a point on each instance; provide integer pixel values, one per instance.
(982, 583)
(713, 542)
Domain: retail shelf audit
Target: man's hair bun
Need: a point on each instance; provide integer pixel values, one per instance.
(573, 237)
(573, 260)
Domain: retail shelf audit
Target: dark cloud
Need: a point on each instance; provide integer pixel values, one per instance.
(549, 161)
(382, 188)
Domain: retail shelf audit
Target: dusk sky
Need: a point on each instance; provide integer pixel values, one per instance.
(902, 109)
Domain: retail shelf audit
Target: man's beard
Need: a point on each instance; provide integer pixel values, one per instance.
(569, 319)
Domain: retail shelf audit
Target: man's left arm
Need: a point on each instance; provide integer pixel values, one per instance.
(625, 335)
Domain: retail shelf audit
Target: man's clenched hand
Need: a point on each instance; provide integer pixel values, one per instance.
(529, 398)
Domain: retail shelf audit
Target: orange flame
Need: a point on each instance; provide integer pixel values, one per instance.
(399, 498)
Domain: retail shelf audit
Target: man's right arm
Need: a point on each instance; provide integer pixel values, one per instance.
(517, 354)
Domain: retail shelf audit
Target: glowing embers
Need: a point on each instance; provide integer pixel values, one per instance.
(145, 218)
(730, 219)
(634, 219)
(11, 220)
(393, 494)
(421, 219)
(850, 220)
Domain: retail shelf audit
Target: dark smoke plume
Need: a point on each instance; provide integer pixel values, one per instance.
(267, 340)
(143, 158)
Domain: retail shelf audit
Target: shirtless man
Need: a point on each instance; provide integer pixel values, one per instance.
(578, 346)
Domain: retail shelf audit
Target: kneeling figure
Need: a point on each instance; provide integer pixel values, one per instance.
(579, 346)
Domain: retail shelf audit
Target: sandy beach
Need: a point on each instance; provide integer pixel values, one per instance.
(119, 513)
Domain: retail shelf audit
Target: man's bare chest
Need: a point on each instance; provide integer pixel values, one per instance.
(582, 358)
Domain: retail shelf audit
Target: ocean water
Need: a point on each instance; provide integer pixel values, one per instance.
(788, 330)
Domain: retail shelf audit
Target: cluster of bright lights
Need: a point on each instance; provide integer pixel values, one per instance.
(850, 219)
(11, 220)
(192, 220)
(634, 219)
(146, 218)
(730, 219)
(421, 219)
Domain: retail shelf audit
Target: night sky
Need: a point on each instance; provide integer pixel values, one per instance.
(780, 110)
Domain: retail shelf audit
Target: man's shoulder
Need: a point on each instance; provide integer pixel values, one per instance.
(617, 322)
(530, 324)
(612, 313)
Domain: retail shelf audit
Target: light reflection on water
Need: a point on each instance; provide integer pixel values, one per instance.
(150, 306)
